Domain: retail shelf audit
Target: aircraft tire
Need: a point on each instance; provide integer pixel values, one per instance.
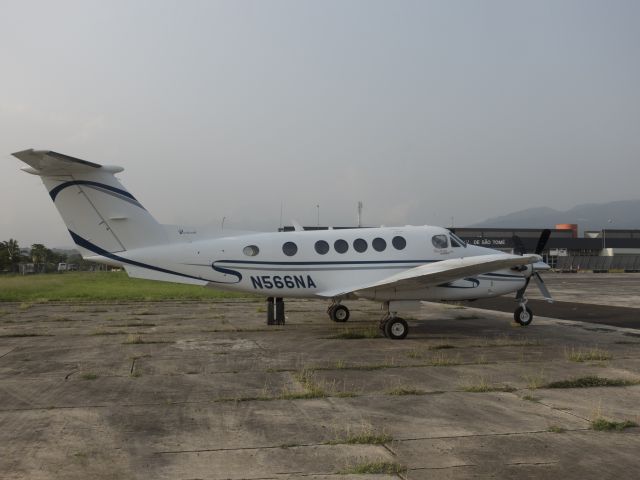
(396, 328)
(339, 313)
(523, 316)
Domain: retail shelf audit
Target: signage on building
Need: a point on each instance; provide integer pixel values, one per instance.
(490, 242)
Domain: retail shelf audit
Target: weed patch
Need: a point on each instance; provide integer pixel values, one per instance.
(366, 436)
(580, 355)
(604, 425)
(349, 334)
(556, 429)
(399, 391)
(481, 385)
(591, 381)
(380, 466)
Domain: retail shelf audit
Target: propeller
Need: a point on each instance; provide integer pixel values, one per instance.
(520, 249)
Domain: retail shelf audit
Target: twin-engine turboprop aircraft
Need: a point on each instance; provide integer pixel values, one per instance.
(396, 266)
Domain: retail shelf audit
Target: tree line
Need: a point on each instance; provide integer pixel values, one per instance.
(43, 258)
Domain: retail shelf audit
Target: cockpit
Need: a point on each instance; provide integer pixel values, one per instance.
(456, 241)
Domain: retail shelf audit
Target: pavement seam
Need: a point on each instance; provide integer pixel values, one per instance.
(7, 353)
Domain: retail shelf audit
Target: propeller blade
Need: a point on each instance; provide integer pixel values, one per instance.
(542, 241)
(543, 288)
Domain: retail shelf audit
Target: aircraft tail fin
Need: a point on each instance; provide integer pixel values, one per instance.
(100, 213)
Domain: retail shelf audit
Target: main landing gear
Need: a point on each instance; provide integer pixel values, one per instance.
(393, 327)
(338, 313)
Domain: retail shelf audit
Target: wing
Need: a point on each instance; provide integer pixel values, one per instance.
(437, 273)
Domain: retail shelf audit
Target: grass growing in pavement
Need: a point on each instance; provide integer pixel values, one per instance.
(481, 385)
(399, 391)
(350, 334)
(99, 286)
(365, 436)
(380, 466)
(591, 381)
(556, 429)
(89, 376)
(138, 339)
(580, 355)
(604, 425)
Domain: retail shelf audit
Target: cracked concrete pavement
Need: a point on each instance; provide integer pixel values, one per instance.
(184, 390)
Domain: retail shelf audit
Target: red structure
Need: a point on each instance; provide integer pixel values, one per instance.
(569, 226)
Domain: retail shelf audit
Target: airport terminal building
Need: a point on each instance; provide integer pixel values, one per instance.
(602, 250)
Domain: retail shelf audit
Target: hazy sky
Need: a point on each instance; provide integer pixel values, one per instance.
(423, 110)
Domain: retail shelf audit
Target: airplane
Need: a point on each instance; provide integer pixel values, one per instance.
(396, 266)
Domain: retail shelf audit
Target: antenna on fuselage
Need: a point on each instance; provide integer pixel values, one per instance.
(359, 213)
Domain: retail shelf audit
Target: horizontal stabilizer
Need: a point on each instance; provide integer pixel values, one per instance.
(48, 162)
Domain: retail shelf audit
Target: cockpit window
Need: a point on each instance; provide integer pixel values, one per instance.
(439, 241)
(456, 241)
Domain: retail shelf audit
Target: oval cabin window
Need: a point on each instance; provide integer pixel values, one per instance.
(251, 250)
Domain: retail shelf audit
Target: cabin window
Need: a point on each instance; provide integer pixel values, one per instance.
(399, 243)
(439, 241)
(341, 246)
(289, 249)
(360, 245)
(378, 244)
(251, 250)
(322, 247)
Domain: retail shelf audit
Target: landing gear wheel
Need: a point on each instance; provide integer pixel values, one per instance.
(523, 316)
(339, 313)
(396, 328)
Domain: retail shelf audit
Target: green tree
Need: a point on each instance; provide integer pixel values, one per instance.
(11, 251)
(40, 255)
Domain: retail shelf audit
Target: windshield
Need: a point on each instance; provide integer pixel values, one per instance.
(456, 241)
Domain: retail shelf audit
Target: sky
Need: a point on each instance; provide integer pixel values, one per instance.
(426, 111)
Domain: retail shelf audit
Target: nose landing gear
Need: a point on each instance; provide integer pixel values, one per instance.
(523, 314)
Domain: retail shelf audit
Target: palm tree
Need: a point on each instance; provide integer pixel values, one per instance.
(12, 250)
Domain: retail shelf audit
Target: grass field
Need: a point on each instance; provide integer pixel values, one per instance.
(99, 286)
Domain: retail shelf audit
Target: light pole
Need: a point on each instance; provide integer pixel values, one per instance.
(604, 236)
(223, 219)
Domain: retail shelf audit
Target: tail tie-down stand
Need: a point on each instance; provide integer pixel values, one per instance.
(275, 311)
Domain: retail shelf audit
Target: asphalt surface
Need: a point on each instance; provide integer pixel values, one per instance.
(626, 317)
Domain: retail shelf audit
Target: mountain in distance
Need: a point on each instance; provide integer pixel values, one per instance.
(589, 216)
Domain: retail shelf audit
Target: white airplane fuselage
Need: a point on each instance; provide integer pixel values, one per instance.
(396, 266)
(224, 262)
